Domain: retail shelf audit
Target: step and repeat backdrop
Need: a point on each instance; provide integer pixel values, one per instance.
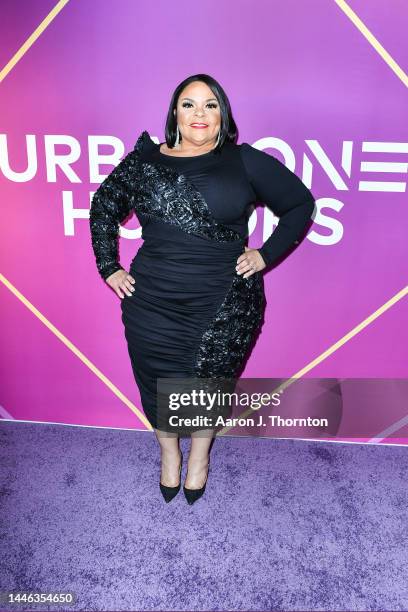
(319, 84)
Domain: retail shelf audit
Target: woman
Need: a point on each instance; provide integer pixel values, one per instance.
(193, 298)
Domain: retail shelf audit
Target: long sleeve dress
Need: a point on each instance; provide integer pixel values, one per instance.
(191, 314)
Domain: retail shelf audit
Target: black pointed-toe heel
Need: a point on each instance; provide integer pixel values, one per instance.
(192, 495)
(170, 492)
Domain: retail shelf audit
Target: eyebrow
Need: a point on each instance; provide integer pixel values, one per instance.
(208, 99)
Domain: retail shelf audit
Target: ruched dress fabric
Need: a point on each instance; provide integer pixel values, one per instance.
(191, 314)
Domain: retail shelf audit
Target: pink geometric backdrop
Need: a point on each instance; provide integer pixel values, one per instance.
(307, 84)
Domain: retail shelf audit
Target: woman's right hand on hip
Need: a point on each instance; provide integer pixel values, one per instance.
(121, 282)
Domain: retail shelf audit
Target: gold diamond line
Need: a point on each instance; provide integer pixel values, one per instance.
(32, 38)
(76, 351)
(391, 63)
(333, 348)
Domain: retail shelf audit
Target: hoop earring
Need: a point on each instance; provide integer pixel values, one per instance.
(177, 136)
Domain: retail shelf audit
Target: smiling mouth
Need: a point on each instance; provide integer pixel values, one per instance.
(202, 125)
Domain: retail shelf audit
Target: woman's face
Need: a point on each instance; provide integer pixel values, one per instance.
(197, 104)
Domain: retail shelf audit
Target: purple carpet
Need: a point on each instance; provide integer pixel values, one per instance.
(283, 524)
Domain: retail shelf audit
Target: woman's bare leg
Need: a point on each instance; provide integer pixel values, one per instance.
(170, 457)
(198, 459)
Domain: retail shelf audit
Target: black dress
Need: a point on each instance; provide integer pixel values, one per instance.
(191, 314)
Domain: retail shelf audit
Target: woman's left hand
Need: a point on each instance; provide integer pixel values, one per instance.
(250, 262)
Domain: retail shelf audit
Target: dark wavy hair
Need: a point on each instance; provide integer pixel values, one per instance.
(229, 131)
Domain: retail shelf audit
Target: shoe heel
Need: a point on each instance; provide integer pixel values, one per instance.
(192, 495)
(170, 493)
